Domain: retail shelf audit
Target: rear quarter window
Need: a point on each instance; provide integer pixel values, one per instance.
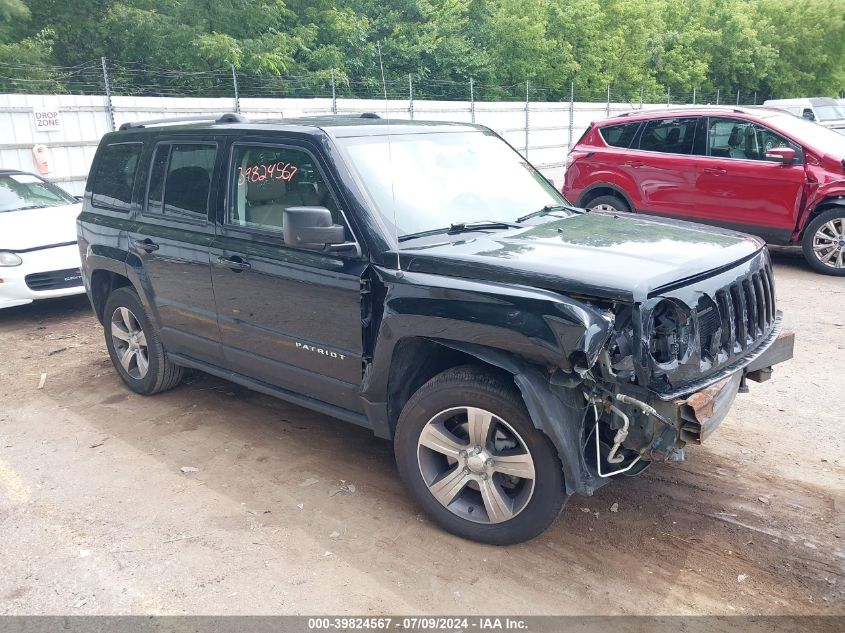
(619, 135)
(114, 178)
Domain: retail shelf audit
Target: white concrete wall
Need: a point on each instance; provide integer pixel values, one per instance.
(84, 119)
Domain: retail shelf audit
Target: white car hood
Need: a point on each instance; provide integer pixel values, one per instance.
(35, 228)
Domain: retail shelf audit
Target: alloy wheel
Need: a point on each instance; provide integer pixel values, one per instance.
(829, 243)
(130, 343)
(476, 465)
(604, 207)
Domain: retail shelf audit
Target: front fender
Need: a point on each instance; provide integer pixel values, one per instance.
(545, 328)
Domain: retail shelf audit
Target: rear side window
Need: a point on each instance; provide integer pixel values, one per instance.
(268, 180)
(117, 167)
(180, 180)
(619, 135)
(670, 136)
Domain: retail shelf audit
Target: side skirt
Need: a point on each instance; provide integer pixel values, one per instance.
(283, 394)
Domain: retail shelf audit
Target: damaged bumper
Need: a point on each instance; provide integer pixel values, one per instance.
(698, 414)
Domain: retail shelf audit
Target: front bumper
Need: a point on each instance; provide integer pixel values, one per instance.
(700, 413)
(41, 267)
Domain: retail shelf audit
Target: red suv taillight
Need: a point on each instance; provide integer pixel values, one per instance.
(574, 155)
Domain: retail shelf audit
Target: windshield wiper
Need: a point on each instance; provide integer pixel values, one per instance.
(463, 227)
(547, 209)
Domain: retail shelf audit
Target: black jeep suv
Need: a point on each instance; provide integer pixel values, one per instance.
(424, 281)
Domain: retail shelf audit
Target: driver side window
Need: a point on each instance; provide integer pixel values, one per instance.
(268, 180)
(744, 140)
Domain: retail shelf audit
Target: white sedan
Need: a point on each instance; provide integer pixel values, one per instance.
(39, 256)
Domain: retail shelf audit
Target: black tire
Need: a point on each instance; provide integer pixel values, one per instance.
(616, 202)
(836, 215)
(161, 373)
(470, 386)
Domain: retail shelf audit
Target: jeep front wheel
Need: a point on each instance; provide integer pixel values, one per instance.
(824, 242)
(470, 456)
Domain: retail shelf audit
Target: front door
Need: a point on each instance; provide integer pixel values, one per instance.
(289, 317)
(737, 187)
(171, 238)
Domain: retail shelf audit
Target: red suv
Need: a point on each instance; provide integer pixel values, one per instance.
(757, 170)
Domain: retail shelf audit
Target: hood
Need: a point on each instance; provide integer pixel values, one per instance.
(621, 257)
(34, 228)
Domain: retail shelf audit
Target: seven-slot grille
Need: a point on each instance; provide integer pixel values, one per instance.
(54, 280)
(744, 313)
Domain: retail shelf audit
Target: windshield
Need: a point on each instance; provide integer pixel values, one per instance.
(26, 191)
(806, 132)
(830, 113)
(444, 178)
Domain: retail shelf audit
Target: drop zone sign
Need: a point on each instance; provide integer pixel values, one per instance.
(47, 120)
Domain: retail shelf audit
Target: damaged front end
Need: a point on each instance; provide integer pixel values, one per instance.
(674, 364)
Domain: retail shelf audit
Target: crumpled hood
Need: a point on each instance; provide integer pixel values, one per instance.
(34, 228)
(614, 256)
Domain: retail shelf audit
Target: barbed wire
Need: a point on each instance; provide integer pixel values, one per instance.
(137, 79)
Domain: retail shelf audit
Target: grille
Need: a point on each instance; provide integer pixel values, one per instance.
(54, 280)
(743, 313)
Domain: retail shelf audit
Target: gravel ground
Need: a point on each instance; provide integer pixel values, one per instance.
(291, 512)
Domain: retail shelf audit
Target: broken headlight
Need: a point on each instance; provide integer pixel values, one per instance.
(671, 330)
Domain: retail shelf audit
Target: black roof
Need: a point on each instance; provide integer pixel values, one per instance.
(341, 125)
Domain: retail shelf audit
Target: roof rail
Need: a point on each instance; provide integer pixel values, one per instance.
(227, 117)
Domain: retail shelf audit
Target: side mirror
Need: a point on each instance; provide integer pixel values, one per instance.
(311, 227)
(784, 155)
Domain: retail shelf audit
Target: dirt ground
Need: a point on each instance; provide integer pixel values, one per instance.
(291, 512)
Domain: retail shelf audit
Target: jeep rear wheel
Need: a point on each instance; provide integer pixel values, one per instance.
(823, 243)
(134, 346)
(607, 203)
(471, 457)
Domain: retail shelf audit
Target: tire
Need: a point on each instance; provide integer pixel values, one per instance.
(825, 236)
(513, 508)
(608, 203)
(131, 336)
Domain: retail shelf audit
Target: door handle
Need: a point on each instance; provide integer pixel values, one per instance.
(634, 163)
(716, 171)
(234, 263)
(146, 245)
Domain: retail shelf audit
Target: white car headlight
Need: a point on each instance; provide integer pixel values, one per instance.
(10, 259)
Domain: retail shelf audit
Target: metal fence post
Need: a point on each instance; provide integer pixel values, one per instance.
(668, 96)
(755, 97)
(571, 112)
(235, 84)
(108, 93)
(608, 100)
(737, 97)
(717, 95)
(526, 117)
(693, 96)
(334, 94)
(641, 97)
(471, 100)
(411, 96)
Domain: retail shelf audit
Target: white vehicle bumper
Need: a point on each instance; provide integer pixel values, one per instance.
(44, 274)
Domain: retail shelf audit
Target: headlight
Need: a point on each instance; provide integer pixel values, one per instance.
(10, 259)
(671, 333)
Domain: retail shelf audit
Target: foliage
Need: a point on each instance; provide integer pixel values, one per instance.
(648, 47)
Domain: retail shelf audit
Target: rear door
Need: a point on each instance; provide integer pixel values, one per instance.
(289, 317)
(171, 239)
(662, 163)
(737, 187)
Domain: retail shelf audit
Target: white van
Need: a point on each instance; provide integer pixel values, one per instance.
(824, 110)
